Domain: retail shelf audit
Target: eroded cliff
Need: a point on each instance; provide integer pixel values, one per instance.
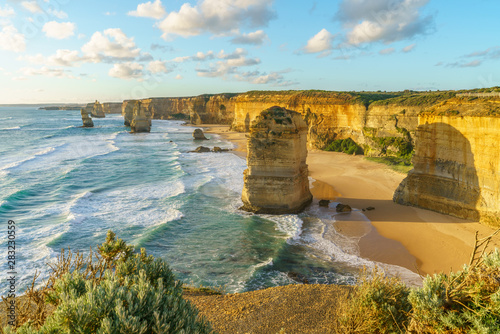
(456, 165)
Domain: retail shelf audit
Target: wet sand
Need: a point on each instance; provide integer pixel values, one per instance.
(420, 240)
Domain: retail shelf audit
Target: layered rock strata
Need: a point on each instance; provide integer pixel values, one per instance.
(141, 119)
(128, 111)
(276, 180)
(95, 109)
(112, 107)
(86, 119)
(456, 168)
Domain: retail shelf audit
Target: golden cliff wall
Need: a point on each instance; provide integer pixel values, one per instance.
(112, 107)
(456, 167)
(203, 109)
(328, 116)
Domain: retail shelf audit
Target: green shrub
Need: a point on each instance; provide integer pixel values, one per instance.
(379, 304)
(136, 293)
(464, 302)
(348, 146)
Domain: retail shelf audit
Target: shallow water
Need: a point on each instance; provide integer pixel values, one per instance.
(66, 186)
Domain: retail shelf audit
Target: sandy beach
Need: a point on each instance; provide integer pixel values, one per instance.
(420, 240)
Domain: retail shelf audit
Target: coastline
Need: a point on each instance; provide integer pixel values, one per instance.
(422, 241)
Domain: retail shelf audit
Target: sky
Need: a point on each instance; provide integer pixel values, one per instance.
(78, 51)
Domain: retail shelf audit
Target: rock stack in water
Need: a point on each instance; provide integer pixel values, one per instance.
(86, 119)
(141, 120)
(97, 110)
(128, 111)
(276, 180)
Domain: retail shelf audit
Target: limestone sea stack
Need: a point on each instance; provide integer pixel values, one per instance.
(86, 119)
(276, 180)
(141, 120)
(97, 110)
(128, 111)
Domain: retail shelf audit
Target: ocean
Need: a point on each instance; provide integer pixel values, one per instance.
(65, 186)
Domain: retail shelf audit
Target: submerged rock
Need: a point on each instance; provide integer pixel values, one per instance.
(324, 202)
(199, 135)
(217, 149)
(343, 208)
(276, 180)
(201, 149)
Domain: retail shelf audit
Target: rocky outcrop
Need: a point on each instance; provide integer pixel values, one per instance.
(456, 166)
(141, 119)
(276, 180)
(112, 107)
(203, 109)
(128, 111)
(86, 119)
(199, 135)
(95, 109)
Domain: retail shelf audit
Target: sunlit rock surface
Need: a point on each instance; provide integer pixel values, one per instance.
(276, 180)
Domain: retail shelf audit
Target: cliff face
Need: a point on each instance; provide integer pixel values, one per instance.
(203, 109)
(112, 107)
(456, 167)
(276, 181)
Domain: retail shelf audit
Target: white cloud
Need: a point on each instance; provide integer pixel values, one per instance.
(126, 71)
(199, 56)
(59, 30)
(48, 72)
(229, 64)
(254, 38)
(32, 6)
(217, 17)
(387, 51)
(321, 42)
(154, 10)
(12, 40)
(384, 21)
(57, 13)
(409, 48)
(178, 77)
(110, 43)
(7, 11)
(157, 66)
(274, 78)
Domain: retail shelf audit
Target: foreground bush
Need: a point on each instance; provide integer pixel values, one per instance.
(467, 301)
(128, 293)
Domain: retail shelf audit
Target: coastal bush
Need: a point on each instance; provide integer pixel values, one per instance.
(348, 146)
(379, 304)
(129, 293)
(467, 301)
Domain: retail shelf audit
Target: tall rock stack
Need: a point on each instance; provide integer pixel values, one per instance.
(97, 110)
(128, 111)
(86, 119)
(276, 180)
(141, 120)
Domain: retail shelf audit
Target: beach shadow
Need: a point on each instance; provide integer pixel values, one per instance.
(444, 178)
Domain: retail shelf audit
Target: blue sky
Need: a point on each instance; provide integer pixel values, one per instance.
(79, 51)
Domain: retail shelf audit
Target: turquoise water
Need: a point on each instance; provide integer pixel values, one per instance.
(66, 186)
